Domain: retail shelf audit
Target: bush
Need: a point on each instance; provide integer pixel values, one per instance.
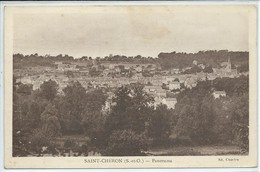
(83, 150)
(69, 144)
(126, 143)
(39, 139)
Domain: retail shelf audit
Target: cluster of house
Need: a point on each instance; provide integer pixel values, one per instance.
(105, 69)
(61, 66)
(38, 80)
(34, 71)
(160, 96)
(120, 70)
(157, 85)
(173, 82)
(153, 85)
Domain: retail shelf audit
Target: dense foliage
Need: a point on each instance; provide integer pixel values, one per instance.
(133, 124)
(207, 120)
(213, 58)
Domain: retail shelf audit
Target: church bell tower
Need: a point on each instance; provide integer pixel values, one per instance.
(228, 68)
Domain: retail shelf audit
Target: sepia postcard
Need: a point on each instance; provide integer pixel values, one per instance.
(130, 86)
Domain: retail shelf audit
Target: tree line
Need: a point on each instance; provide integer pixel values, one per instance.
(211, 57)
(165, 60)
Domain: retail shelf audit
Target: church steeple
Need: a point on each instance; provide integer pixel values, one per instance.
(228, 65)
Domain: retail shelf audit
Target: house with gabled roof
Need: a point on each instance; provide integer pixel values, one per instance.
(174, 85)
(170, 102)
(218, 94)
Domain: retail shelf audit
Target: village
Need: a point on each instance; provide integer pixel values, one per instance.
(163, 85)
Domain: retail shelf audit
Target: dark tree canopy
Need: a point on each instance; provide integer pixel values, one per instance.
(211, 57)
(131, 109)
(48, 90)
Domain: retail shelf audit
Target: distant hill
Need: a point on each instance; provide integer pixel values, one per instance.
(34, 60)
(213, 58)
(165, 60)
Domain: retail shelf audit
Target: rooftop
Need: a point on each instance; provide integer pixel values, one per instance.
(219, 92)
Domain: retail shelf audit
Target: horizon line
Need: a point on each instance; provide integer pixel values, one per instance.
(179, 52)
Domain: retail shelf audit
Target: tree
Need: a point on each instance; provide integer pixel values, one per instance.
(117, 119)
(92, 118)
(177, 79)
(164, 86)
(39, 139)
(232, 86)
(208, 69)
(204, 120)
(243, 68)
(48, 90)
(241, 86)
(71, 108)
(131, 110)
(159, 126)
(194, 69)
(36, 107)
(50, 122)
(121, 67)
(195, 114)
(222, 127)
(25, 89)
(27, 113)
(186, 115)
(150, 84)
(126, 143)
(240, 121)
(84, 58)
(93, 72)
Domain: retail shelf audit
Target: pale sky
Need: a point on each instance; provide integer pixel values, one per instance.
(130, 31)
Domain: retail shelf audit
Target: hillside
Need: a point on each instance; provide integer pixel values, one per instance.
(165, 60)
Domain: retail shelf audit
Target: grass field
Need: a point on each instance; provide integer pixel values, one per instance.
(196, 150)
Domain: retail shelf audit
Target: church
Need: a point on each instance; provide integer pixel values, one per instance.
(225, 70)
